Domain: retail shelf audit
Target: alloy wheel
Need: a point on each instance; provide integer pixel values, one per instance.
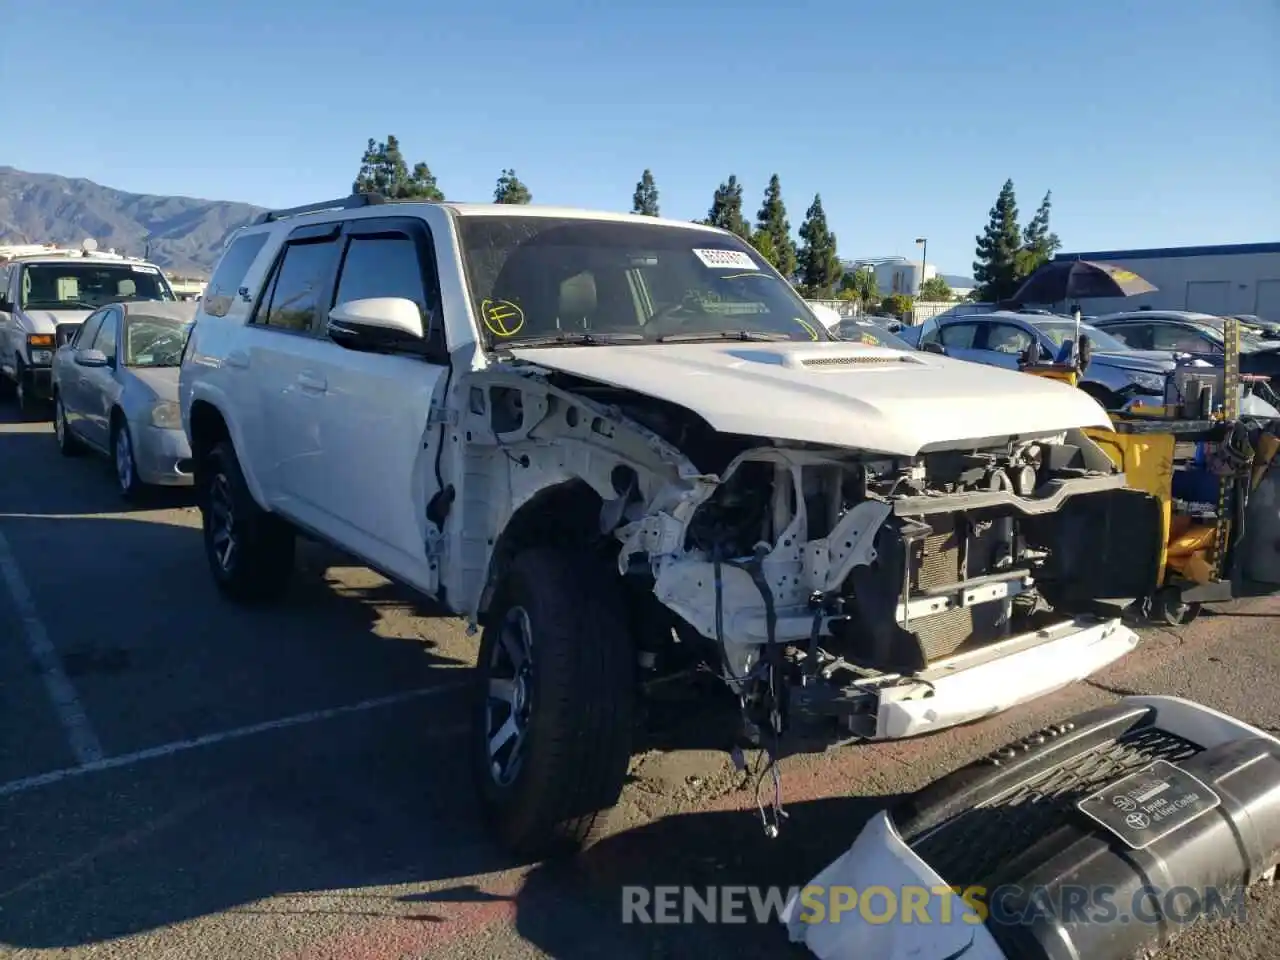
(222, 539)
(510, 696)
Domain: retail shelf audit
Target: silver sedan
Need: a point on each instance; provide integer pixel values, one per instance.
(115, 392)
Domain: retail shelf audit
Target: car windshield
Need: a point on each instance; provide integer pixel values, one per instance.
(550, 279)
(155, 341)
(87, 286)
(1062, 330)
(870, 334)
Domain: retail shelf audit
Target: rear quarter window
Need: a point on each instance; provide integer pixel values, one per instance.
(229, 275)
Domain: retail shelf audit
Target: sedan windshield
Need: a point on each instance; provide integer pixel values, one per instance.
(871, 335)
(155, 342)
(76, 285)
(1061, 330)
(549, 280)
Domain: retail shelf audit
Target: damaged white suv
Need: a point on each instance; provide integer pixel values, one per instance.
(623, 445)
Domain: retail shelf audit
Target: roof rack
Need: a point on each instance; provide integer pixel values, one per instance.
(342, 203)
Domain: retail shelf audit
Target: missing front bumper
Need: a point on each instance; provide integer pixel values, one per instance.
(1102, 837)
(981, 683)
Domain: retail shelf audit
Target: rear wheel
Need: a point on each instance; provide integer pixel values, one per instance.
(250, 551)
(553, 704)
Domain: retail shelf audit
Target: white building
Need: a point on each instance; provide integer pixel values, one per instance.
(1241, 278)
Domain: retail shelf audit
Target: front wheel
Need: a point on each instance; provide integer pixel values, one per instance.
(122, 456)
(68, 445)
(250, 551)
(553, 703)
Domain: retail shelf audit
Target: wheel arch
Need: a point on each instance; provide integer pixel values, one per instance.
(563, 514)
(208, 426)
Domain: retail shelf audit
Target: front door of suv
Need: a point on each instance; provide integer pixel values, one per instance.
(368, 470)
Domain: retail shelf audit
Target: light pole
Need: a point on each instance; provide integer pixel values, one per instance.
(924, 256)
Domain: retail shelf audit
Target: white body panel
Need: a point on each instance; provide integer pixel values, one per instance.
(878, 400)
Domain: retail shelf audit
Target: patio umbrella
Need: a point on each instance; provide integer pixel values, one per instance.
(1080, 280)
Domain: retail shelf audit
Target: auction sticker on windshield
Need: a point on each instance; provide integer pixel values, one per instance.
(1149, 804)
(725, 260)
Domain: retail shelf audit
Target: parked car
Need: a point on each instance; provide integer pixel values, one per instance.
(1199, 334)
(868, 332)
(1115, 375)
(1269, 329)
(620, 446)
(115, 392)
(45, 294)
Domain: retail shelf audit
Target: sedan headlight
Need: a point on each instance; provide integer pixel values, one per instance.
(166, 415)
(1150, 382)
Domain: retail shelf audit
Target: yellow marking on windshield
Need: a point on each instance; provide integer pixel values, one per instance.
(502, 318)
(813, 334)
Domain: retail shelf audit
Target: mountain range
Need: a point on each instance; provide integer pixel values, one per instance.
(184, 235)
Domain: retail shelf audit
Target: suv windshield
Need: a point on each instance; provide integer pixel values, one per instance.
(1061, 330)
(535, 278)
(77, 285)
(155, 341)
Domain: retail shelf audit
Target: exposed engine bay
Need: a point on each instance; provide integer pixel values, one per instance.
(817, 578)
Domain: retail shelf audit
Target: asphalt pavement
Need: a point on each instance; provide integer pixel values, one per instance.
(180, 778)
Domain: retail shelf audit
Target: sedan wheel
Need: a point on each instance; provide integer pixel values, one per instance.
(126, 469)
(67, 443)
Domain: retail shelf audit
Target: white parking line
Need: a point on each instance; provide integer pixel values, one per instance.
(179, 746)
(66, 703)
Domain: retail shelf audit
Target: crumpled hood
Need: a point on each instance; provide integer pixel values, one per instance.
(45, 321)
(838, 394)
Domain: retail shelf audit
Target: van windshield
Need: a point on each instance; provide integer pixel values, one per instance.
(87, 286)
(535, 278)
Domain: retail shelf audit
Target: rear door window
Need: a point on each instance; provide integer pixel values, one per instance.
(225, 284)
(301, 276)
(959, 336)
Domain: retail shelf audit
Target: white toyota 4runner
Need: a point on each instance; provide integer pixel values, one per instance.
(624, 447)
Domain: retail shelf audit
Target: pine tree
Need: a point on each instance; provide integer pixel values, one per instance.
(645, 200)
(726, 209)
(820, 269)
(772, 223)
(511, 190)
(1039, 244)
(996, 267)
(383, 170)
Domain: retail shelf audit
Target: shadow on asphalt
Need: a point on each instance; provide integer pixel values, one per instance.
(86, 483)
(561, 905)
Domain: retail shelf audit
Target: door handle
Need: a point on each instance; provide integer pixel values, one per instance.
(312, 383)
(237, 359)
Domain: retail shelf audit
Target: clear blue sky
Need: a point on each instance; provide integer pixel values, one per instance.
(1154, 122)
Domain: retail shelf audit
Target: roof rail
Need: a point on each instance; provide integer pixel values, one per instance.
(342, 203)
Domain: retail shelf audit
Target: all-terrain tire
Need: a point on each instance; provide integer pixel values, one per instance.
(259, 565)
(581, 704)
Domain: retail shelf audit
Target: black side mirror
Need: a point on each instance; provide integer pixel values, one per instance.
(933, 346)
(6, 305)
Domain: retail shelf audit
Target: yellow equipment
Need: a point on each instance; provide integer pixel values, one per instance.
(1149, 443)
